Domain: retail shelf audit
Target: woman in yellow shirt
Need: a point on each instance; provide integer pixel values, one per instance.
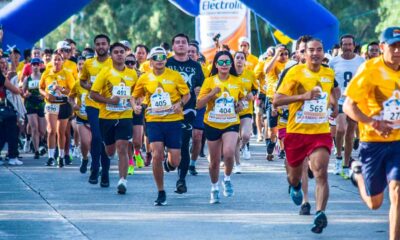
(55, 85)
(221, 94)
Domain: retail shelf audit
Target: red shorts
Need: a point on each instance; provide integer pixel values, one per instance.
(298, 146)
(281, 133)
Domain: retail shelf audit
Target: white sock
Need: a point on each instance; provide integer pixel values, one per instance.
(51, 152)
(214, 186)
(61, 153)
(227, 178)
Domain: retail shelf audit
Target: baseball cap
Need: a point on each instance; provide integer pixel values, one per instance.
(156, 51)
(63, 45)
(126, 43)
(36, 60)
(390, 35)
(244, 39)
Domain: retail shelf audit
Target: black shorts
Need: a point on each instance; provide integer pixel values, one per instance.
(213, 134)
(272, 120)
(65, 111)
(39, 111)
(138, 119)
(81, 121)
(246, 116)
(113, 130)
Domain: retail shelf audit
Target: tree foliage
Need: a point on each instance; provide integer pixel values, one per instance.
(389, 13)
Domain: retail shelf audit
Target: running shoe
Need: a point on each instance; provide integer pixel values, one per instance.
(282, 154)
(50, 162)
(305, 209)
(14, 162)
(270, 157)
(37, 155)
(60, 162)
(83, 167)
(27, 146)
(105, 180)
(259, 138)
(131, 169)
(237, 169)
(228, 189)
(192, 170)
(296, 194)
(161, 199)
(345, 173)
(338, 166)
(214, 197)
(76, 153)
(139, 160)
(181, 186)
(68, 160)
(320, 222)
(246, 153)
(94, 177)
(121, 188)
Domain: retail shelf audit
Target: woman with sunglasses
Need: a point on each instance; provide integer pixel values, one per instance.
(55, 85)
(165, 93)
(137, 120)
(272, 68)
(222, 94)
(34, 105)
(250, 89)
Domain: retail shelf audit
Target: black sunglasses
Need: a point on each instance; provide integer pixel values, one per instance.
(130, 62)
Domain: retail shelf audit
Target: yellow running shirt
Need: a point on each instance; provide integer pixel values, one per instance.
(160, 93)
(68, 65)
(376, 90)
(220, 111)
(90, 69)
(249, 83)
(80, 94)
(272, 78)
(145, 67)
(112, 82)
(50, 80)
(251, 62)
(308, 117)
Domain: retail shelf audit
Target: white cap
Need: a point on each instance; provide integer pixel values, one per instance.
(156, 51)
(63, 45)
(244, 39)
(126, 43)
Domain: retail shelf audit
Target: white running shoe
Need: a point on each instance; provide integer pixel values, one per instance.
(237, 169)
(122, 186)
(15, 162)
(246, 153)
(338, 166)
(77, 152)
(27, 146)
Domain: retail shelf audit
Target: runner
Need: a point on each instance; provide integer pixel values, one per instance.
(112, 89)
(251, 60)
(307, 88)
(249, 90)
(165, 92)
(90, 69)
(222, 94)
(373, 50)
(55, 84)
(373, 101)
(345, 66)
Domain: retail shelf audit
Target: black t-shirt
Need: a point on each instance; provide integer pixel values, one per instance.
(192, 72)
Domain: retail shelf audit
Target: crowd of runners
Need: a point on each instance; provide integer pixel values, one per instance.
(158, 107)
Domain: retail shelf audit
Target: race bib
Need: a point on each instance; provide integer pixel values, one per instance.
(92, 78)
(314, 111)
(224, 109)
(160, 103)
(33, 84)
(52, 108)
(82, 109)
(391, 110)
(124, 93)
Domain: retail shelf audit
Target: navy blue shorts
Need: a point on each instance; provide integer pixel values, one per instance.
(198, 122)
(170, 133)
(272, 120)
(380, 165)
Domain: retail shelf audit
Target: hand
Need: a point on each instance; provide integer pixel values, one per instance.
(177, 108)
(76, 107)
(114, 100)
(335, 111)
(314, 94)
(197, 91)
(137, 109)
(383, 128)
(50, 97)
(238, 107)
(216, 90)
(249, 96)
(279, 50)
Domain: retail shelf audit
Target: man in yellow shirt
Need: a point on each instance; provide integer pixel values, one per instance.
(307, 89)
(112, 89)
(373, 100)
(251, 60)
(90, 69)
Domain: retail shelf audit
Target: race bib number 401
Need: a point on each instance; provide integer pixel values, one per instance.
(314, 111)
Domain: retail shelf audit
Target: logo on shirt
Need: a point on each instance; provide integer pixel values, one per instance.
(187, 77)
(325, 80)
(165, 81)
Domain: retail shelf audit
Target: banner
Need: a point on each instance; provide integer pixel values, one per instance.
(229, 18)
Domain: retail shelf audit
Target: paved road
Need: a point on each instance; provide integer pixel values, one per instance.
(38, 202)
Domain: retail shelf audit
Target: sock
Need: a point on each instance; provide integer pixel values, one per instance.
(192, 163)
(61, 153)
(131, 162)
(267, 141)
(28, 137)
(214, 186)
(51, 152)
(137, 152)
(227, 178)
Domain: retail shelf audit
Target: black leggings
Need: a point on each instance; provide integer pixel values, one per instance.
(185, 155)
(10, 136)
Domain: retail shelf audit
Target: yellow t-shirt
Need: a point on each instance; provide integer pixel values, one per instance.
(249, 83)
(371, 88)
(270, 82)
(51, 79)
(251, 62)
(112, 82)
(80, 94)
(206, 72)
(168, 88)
(220, 111)
(145, 67)
(90, 69)
(308, 117)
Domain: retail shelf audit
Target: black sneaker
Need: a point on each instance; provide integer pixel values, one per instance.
(202, 154)
(94, 177)
(161, 199)
(320, 222)
(282, 154)
(105, 180)
(68, 160)
(355, 169)
(310, 173)
(60, 162)
(356, 143)
(181, 186)
(305, 209)
(192, 170)
(83, 167)
(37, 155)
(50, 162)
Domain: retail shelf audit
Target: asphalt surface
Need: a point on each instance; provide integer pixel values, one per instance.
(38, 202)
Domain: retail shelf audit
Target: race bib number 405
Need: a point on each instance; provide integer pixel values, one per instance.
(224, 110)
(314, 111)
(391, 110)
(160, 103)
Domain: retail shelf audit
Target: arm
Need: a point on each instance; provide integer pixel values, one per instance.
(204, 100)
(85, 84)
(333, 99)
(99, 98)
(11, 87)
(281, 99)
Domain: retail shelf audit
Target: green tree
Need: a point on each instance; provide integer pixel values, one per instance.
(388, 12)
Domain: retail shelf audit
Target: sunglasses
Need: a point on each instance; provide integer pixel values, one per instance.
(66, 50)
(227, 62)
(35, 64)
(130, 62)
(159, 57)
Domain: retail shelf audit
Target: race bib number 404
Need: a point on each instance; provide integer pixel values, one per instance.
(391, 110)
(314, 111)
(224, 110)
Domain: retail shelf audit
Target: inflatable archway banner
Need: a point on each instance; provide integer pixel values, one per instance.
(230, 19)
